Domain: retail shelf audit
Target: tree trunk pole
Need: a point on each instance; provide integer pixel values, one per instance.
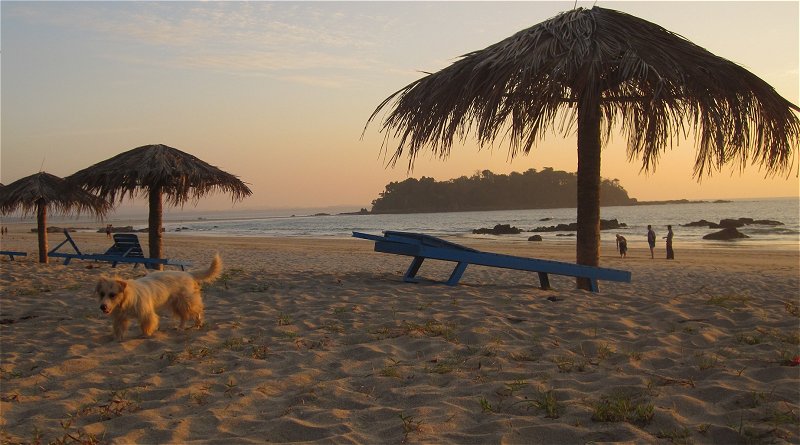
(588, 240)
(154, 222)
(41, 229)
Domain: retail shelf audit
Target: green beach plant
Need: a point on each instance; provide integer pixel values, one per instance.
(486, 406)
(680, 436)
(620, 407)
(410, 425)
(546, 401)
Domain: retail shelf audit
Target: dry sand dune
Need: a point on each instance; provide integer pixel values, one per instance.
(321, 341)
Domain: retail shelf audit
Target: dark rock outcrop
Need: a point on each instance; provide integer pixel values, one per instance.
(54, 229)
(500, 229)
(121, 229)
(605, 224)
(535, 238)
(728, 233)
(701, 223)
(734, 223)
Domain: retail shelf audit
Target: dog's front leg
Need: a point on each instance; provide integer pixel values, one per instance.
(120, 327)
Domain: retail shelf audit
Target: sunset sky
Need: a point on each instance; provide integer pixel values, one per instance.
(278, 93)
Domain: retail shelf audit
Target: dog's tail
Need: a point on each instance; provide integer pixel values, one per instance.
(207, 276)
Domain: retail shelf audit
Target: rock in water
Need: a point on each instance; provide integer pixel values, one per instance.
(726, 234)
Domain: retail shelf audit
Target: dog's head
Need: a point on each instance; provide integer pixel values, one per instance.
(111, 292)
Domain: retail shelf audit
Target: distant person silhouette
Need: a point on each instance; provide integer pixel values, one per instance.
(670, 252)
(651, 240)
(108, 230)
(622, 246)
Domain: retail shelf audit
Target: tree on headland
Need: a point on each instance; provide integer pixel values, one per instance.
(489, 191)
(587, 71)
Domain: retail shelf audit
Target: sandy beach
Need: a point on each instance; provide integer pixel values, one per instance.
(320, 340)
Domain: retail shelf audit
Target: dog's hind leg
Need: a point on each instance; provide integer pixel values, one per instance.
(187, 306)
(149, 324)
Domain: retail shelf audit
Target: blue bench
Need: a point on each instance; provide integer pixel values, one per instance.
(422, 247)
(12, 253)
(126, 249)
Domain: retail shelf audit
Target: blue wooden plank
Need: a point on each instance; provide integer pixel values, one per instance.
(544, 281)
(12, 253)
(457, 273)
(369, 236)
(422, 246)
(411, 273)
(425, 240)
(529, 264)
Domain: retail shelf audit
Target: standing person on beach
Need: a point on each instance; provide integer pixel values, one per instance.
(108, 230)
(622, 246)
(651, 240)
(670, 252)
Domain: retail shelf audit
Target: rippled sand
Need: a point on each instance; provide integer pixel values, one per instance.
(321, 341)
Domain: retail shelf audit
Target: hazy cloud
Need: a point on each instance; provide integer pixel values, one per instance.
(225, 36)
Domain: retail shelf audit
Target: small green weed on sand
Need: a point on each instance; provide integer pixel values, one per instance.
(390, 370)
(117, 403)
(705, 361)
(566, 364)
(486, 406)
(729, 301)
(234, 343)
(622, 408)
(433, 328)
(410, 425)
(748, 339)
(545, 401)
(284, 320)
(8, 375)
(72, 435)
(679, 436)
(259, 352)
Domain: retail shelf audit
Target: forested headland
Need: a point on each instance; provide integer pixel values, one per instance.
(485, 190)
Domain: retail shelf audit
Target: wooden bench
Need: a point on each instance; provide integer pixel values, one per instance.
(126, 249)
(423, 247)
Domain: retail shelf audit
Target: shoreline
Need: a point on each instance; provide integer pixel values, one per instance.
(607, 246)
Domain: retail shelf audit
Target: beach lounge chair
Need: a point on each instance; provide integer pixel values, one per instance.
(127, 245)
(126, 249)
(12, 253)
(422, 247)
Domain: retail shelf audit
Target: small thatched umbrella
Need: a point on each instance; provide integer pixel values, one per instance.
(598, 67)
(155, 171)
(41, 191)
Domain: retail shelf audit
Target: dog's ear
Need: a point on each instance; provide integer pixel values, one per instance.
(122, 284)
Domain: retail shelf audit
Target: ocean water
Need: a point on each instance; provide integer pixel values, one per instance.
(786, 236)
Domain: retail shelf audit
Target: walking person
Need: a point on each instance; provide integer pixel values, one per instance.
(108, 230)
(670, 252)
(622, 246)
(651, 240)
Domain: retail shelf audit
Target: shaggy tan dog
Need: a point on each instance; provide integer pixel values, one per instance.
(141, 298)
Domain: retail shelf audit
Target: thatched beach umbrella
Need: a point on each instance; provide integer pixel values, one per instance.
(158, 172)
(598, 68)
(42, 191)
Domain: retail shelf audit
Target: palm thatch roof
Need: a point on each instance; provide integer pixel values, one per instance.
(58, 195)
(654, 84)
(180, 176)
